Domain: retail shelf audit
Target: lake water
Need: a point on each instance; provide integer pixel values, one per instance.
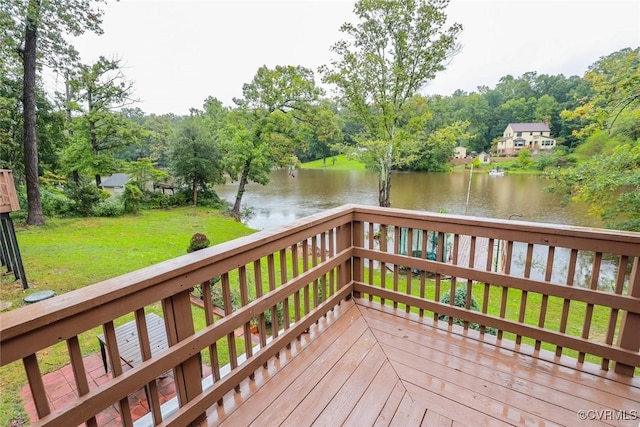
(288, 198)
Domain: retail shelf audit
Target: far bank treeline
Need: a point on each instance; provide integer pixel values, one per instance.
(93, 129)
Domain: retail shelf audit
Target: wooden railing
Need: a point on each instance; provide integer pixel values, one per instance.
(283, 281)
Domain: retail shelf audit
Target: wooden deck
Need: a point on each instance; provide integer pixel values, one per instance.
(363, 365)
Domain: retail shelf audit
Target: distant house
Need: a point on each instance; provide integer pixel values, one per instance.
(114, 184)
(460, 153)
(533, 136)
(484, 158)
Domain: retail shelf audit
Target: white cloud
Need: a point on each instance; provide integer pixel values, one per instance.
(180, 52)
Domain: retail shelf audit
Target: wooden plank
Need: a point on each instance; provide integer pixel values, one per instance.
(460, 413)
(482, 388)
(374, 399)
(391, 405)
(343, 402)
(434, 419)
(405, 412)
(318, 392)
(507, 363)
(342, 330)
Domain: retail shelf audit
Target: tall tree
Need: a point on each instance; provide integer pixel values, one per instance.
(262, 129)
(35, 29)
(394, 50)
(99, 92)
(194, 156)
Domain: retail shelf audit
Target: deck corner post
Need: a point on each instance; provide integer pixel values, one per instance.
(357, 242)
(344, 239)
(628, 338)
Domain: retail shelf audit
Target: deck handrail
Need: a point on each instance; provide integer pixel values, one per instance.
(305, 269)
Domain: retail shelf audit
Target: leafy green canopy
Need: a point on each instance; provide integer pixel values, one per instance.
(393, 51)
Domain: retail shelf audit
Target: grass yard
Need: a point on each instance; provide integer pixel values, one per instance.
(339, 162)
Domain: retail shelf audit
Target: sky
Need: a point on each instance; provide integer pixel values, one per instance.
(178, 52)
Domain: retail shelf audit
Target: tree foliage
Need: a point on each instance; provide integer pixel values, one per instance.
(615, 84)
(195, 156)
(261, 131)
(388, 56)
(609, 183)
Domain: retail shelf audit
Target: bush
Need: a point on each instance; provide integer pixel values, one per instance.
(132, 198)
(84, 196)
(108, 208)
(157, 200)
(198, 241)
(54, 202)
(460, 300)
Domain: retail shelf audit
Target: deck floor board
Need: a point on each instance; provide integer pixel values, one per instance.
(366, 366)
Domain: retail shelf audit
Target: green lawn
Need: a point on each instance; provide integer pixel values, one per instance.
(339, 162)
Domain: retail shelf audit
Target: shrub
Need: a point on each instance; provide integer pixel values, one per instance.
(84, 196)
(132, 198)
(198, 241)
(54, 202)
(460, 300)
(108, 208)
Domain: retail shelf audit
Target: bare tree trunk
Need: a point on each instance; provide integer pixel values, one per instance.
(244, 178)
(195, 191)
(67, 88)
(34, 205)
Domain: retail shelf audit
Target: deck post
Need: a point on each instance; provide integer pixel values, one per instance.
(358, 265)
(179, 323)
(344, 239)
(629, 338)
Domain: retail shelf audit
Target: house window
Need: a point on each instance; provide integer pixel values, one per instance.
(518, 133)
(530, 133)
(518, 144)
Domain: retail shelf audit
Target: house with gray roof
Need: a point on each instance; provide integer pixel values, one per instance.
(114, 184)
(535, 137)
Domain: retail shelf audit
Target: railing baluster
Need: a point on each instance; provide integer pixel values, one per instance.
(305, 267)
(296, 295)
(116, 368)
(613, 316)
(370, 261)
(440, 256)
(145, 353)
(383, 265)
(314, 262)
(628, 338)
(209, 317)
(505, 290)
(283, 280)
(323, 258)
(262, 324)
(548, 273)
(36, 385)
(469, 294)
(423, 273)
(244, 300)
(272, 286)
(231, 337)
(332, 253)
(588, 314)
(524, 294)
(408, 269)
(487, 286)
(396, 267)
(566, 304)
(454, 261)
